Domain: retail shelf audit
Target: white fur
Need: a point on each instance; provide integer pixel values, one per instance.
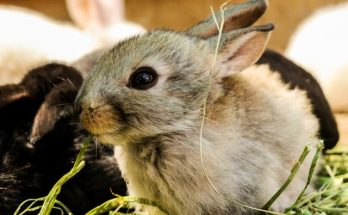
(29, 39)
(320, 45)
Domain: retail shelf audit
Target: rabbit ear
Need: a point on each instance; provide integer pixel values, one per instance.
(240, 49)
(41, 80)
(235, 17)
(95, 14)
(59, 85)
(12, 93)
(57, 106)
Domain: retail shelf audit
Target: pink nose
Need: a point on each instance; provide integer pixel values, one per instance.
(88, 118)
(98, 120)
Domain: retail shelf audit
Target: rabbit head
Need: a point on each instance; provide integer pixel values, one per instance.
(168, 72)
(35, 125)
(39, 139)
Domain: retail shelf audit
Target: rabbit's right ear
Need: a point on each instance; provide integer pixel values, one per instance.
(235, 17)
(239, 49)
(95, 14)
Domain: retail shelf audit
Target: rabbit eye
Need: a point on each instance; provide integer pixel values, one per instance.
(143, 78)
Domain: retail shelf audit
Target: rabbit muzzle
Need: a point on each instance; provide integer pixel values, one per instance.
(99, 120)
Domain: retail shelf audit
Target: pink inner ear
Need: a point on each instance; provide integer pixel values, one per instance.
(108, 12)
(79, 12)
(95, 14)
(251, 47)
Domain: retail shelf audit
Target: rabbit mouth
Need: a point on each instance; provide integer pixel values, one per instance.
(101, 121)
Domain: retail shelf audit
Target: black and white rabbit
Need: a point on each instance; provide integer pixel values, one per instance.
(40, 138)
(147, 97)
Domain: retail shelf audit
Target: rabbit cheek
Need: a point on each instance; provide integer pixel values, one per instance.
(100, 120)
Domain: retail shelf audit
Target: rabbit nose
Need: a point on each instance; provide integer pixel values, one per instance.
(90, 109)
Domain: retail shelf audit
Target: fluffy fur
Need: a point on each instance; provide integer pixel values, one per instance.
(40, 138)
(255, 128)
(325, 29)
(30, 39)
(296, 77)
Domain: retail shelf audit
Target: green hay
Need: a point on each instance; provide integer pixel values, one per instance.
(114, 205)
(50, 201)
(294, 170)
(331, 197)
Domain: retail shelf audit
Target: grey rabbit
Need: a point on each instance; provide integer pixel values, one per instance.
(147, 97)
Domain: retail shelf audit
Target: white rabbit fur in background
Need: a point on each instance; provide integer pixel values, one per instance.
(29, 39)
(320, 45)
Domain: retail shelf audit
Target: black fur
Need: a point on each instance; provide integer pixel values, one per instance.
(39, 139)
(297, 77)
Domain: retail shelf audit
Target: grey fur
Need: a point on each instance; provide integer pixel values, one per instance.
(255, 128)
(238, 16)
(85, 64)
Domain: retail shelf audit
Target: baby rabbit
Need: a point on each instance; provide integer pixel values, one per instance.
(328, 30)
(40, 138)
(29, 39)
(148, 95)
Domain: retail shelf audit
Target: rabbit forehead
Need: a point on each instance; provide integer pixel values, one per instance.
(178, 92)
(174, 56)
(155, 49)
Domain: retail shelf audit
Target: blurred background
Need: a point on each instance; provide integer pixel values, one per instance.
(180, 14)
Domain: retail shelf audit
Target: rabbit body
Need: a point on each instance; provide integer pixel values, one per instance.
(325, 29)
(252, 138)
(254, 132)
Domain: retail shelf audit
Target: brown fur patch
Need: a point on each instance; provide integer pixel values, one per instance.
(100, 120)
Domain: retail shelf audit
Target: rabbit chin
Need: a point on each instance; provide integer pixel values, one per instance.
(110, 138)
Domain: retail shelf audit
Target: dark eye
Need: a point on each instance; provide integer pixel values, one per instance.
(143, 78)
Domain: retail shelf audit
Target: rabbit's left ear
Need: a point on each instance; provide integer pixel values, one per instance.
(12, 93)
(58, 84)
(95, 15)
(239, 49)
(57, 106)
(235, 17)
